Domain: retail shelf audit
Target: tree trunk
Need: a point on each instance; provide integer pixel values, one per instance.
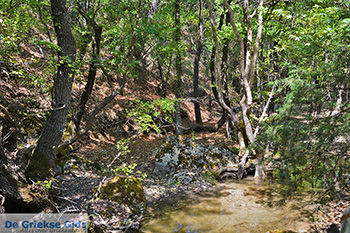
(248, 61)
(178, 67)
(15, 195)
(215, 90)
(218, 71)
(197, 109)
(92, 69)
(43, 159)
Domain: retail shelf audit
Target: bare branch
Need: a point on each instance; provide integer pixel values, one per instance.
(257, 42)
(240, 41)
(264, 111)
(98, 108)
(218, 68)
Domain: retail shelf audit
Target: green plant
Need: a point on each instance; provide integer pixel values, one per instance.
(211, 177)
(129, 172)
(149, 115)
(44, 186)
(193, 135)
(123, 146)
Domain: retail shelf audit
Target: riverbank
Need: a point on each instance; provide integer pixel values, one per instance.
(75, 191)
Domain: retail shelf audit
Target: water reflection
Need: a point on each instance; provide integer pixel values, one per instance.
(236, 207)
(187, 228)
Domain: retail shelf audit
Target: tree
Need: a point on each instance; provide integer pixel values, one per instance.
(42, 161)
(197, 109)
(310, 132)
(247, 67)
(96, 29)
(178, 67)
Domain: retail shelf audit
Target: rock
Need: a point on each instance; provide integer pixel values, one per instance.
(167, 161)
(127, 191)
(345, 221)
(178, 153)
(184, 178)
(161, 169)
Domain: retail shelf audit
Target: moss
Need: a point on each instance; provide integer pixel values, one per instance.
(210, 177)
(63, 150)
(29, 196)
(68, 131)
(280, 231)
(125, 191)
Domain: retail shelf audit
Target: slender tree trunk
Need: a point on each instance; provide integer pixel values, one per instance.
(339, 101)
(162, 85)
(43, 159)
(248, 61)
(218, 72)
(178, 66)
(197, 109)
(215, 90)
(92, 70)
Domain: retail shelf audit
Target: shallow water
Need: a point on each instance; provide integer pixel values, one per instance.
(234, 207)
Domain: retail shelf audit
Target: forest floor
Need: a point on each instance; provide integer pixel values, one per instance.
(77, 187)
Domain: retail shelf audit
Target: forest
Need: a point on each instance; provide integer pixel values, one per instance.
(131, 111)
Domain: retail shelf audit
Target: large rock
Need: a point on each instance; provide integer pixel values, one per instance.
(178, 153)
(127, 191)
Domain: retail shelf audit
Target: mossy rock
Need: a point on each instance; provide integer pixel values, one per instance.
(182, 153)
(281, 231)
(29, 196)
(124, 190)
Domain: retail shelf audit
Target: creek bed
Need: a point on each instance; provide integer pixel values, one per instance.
(233, 207)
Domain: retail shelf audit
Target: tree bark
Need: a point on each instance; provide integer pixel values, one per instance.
(43, 160)
(248, 63)
(213, 72)
(90, 119)
(197, 109)
(178, 67)
(219, 83)
(97, 29)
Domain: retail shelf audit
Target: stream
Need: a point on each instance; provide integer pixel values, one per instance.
(234, 207)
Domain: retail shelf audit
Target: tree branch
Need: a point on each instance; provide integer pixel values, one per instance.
(218, 68)
(98, 108)
(257, 42)
(240, 41)
(264, 111)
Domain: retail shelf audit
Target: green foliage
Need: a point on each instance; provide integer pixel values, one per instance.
(305, 54)
(23, 32)
(149, 115)
(123, 146)
(211, 177)
(308, 135)
(125, 169)
(129, 172)
(46, 184)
